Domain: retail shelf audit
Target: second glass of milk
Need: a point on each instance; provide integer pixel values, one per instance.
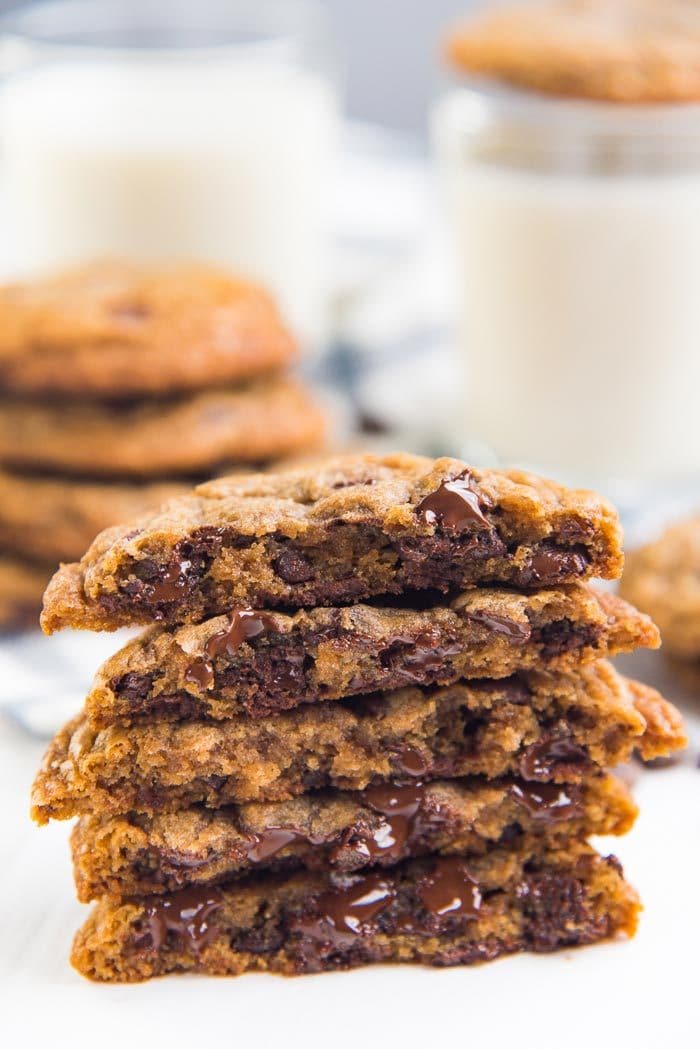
(576, 235)
(200, 130)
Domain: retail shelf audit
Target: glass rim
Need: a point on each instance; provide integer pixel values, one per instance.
(474, 103)
(152, 25)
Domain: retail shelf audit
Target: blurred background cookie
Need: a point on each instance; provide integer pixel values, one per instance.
(187, 435)
(115, 329)
(52, 518)
(115, 381)
(663, 579)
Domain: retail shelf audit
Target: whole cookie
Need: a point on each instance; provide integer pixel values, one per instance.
(113, 329)
(663, 579)
(187, 435)
(54, 519)
(616, 50)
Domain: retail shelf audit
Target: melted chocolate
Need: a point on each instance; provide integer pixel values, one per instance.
(548, 801)
(411, 761)
(541, 758)
(400, 806)
(201, 673)
(186, 915)
(427, 656)
(244, 625)
(267, 843)
(167, 584)
(454, 506)
(340, 916)
(271, 841)
(450, 890)
(551, 565)
(520, 633)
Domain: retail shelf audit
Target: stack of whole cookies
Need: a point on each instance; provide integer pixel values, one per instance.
(403, 765)
(119, 386)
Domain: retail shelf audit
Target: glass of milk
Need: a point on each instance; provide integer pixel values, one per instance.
(168, 130)
(575, 231)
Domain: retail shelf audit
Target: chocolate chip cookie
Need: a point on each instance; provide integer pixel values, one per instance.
(138, 855)
(442, 910)
(334, 532)
(55, 519)
(663, 578)
(116, 330)
(258, 662)
(189, 435)
(621, 51)
(543, 727)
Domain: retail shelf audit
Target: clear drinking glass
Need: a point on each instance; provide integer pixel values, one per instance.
(575, 229)
(160, 130)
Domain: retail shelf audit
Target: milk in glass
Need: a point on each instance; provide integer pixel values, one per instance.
(576, 235)
(163, 156)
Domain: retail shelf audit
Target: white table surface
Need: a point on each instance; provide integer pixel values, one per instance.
(641, 993)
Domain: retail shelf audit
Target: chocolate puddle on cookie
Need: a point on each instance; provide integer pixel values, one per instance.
(186, 915)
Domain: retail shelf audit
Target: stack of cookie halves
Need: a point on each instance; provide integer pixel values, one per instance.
(370, 720)
(119, 385)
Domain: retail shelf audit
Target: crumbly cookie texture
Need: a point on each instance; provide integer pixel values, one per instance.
(336, 532)
(56, 519)
(544, 727)
(617, 50)
(113, 329)
(140, 855)
(439, 911)
(663, 578)
(259, 663)
(192, 434)
(22, 584)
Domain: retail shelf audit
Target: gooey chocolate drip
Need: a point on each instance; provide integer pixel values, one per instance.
(399, 805)
(244, 625)
(548, 802)
(186, 915)
(454, 505)
(263, 845)
(340, 916)
(451, 890)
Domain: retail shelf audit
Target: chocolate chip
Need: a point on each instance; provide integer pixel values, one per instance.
(132, 686)
(546, 756)
(551, 565)
(293, 567)
(563, 635)
(455, 506)
(515, 631)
